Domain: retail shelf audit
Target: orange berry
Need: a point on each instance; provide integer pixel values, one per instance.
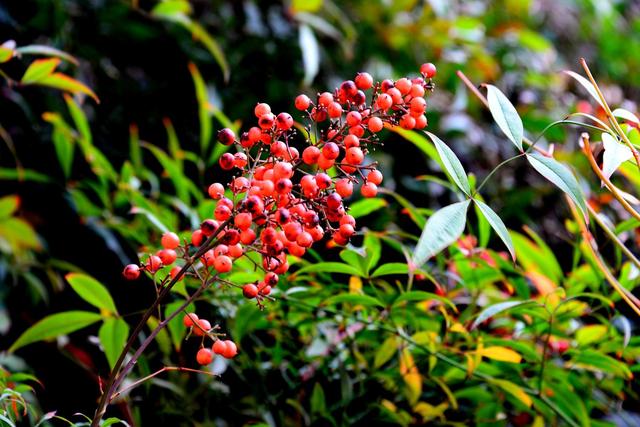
(302, 102)
(222, 264)
(230, 350)
(202, 327)
(219, 347)
(188, 319)
(170, 240)
(369, 189)
(204, 356)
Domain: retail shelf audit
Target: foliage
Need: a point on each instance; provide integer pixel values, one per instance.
(483, 289)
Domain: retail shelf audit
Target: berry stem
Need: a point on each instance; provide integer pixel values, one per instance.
(109, 387)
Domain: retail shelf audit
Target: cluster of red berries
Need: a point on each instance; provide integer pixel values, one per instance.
(202, 328)
(281, 201)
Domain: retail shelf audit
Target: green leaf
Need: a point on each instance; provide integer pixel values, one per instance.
(590, 334)
(586, 84)
(505, 115)
(54, 326)
(391, 268)
(561, 177)
(306, 5)
(498, 226)
(364, 207)
(373, 251)
(330, 267)
(175, 326)
(5, 54)
(21, 175)
(492, 310)
(92, 291)
(385, 351)
(39, 69)
(423, 296)
(248, 318)
(199, 33)
(355, 299)
(203, 107)
(8, 206)
(442, 229)
(451, 164)
(595, 361)
(64, 145)
(421, 142)
(18, 235)
(318, 402)
(113, 336)
(172, 7)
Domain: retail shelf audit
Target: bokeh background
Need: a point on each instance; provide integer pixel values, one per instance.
(137, 63)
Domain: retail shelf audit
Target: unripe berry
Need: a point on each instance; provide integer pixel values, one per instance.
(222, 264)
(204, 356)
(230, 350)
(302, 102)
(170, 240)
(131, 272)
(226, 136)
(428, 70)
(188, 319)
(250, 290)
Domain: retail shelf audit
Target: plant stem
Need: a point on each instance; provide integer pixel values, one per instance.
(158, 372)
(109, 388)
(543, 363)
(613, 237)
(494, 170)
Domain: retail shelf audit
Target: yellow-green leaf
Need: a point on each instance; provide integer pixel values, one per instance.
(514, 390)
(113, 337)
(39, 69)
(92, 291)
(501, 354)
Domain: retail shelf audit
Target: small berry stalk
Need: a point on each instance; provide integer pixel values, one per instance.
(289, 184)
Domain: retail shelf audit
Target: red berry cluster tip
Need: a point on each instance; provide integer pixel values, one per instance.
(202, 328)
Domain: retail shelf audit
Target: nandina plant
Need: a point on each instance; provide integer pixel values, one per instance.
(287, 193)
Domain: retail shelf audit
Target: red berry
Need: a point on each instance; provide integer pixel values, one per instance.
(250, 290)
(331, 151)
(384, 102)
(197, 237)
(261, 109)
(266, 121)
(222, 264)
(230, 350)
(154, 263)
(407, 122)
(131, 272)
(285, 121)
(302, 102)
(375, 176)
(344, 187)
(226, 136)
(170, 240)
(428, 70)
(364, 81)
(325, 99)
(204, 356)
(167, 256)
(202, 327)
(174, 272)
(375, 124)
(353, 118)
(219, 347)
(188, 319)
(227, 161)
(369, 190)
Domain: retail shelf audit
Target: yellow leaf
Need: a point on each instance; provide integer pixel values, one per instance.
(514, 390)
(411, 376)
(544, 285)
(459, 328)
(502, 354)
(471, 365)
(429, 412)
(355, 285)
